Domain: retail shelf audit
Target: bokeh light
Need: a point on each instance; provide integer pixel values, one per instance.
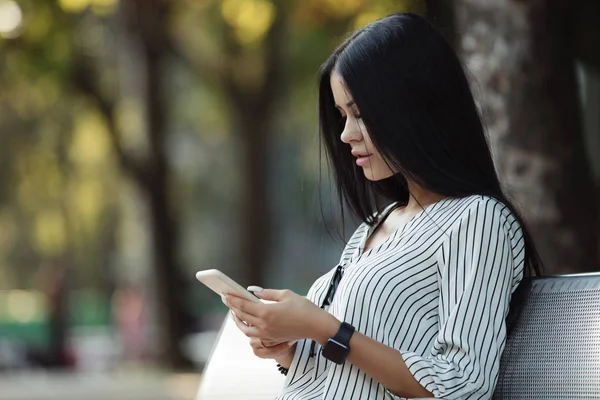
(11, 19)
(251, 19)
(24, 306)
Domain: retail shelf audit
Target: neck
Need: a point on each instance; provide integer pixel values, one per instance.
(420, 197)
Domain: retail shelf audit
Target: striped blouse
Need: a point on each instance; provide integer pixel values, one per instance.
(437, 290)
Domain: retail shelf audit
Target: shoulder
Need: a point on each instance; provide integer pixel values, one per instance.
(480, 205)
(486, 213)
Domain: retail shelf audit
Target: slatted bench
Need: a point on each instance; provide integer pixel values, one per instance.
(553, 348)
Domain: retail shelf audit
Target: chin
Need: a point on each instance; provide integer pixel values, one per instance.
(373, 177)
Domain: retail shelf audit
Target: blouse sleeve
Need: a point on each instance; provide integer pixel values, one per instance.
(480, 265)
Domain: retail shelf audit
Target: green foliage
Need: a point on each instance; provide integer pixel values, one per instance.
(50, 185)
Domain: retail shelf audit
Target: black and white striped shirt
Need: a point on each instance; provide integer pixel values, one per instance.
(437, 290)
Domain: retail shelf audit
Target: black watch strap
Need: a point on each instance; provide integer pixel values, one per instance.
(337, 348)
(344, 334)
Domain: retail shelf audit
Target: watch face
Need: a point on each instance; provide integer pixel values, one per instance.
(335, 351)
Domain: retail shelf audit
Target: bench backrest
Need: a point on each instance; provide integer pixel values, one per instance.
(553, 346)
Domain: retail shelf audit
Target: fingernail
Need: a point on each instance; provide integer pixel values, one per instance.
(224, 300)
(255, 289)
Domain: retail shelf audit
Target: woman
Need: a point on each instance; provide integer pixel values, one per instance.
(417, 305)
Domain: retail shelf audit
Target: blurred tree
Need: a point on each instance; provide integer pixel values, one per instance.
(53, 204)
(142, 26)
(64, 182)
(521, 54)
(254, 38)
(441, 14)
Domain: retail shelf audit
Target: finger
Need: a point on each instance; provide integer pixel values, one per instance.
(257, 290)
(254, 289)
(248, 319)
(271, 343)
(247, 306)
(239, 323)
(271, 352)
(256, 343)
(269, 294)
(249, 331)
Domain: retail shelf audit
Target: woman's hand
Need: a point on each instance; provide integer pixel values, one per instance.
(283, 353)
(287, 318)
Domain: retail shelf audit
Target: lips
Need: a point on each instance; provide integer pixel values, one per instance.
(360, 154)
(362, 158)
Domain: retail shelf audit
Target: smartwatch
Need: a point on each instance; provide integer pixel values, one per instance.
(337, 348)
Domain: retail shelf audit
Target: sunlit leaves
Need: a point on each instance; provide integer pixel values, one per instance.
(367, 17)
(7, 231)
(90, 145)
(74, 5)
(98, 6)
(343, 8)
(132, 126)
(39, 24)
(50, 236)
(90, 154)
(29, 100)
(250, 19)
(59, 172)
(379, 9)
(314, 13)
(104, 3)
(87, 198)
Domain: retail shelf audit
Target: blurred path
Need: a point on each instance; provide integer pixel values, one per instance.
(114, 386)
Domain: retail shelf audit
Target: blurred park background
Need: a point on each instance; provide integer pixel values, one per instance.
(144, 140)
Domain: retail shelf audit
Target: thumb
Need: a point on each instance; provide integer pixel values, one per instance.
(266, 294)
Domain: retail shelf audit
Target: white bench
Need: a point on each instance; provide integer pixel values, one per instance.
(233, 371)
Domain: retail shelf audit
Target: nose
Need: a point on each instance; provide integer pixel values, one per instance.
(351, 132)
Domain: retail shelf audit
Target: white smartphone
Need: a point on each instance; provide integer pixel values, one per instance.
(220, 283)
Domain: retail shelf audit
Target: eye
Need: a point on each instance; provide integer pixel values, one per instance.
(356, 113)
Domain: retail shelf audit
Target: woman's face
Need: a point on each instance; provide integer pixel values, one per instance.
(355, 133)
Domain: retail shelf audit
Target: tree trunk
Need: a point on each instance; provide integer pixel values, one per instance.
(520, 55)
(255, 213)
(441, 14)
(147, 21)
(254, 109)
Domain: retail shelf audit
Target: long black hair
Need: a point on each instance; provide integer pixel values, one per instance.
(415, 101)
